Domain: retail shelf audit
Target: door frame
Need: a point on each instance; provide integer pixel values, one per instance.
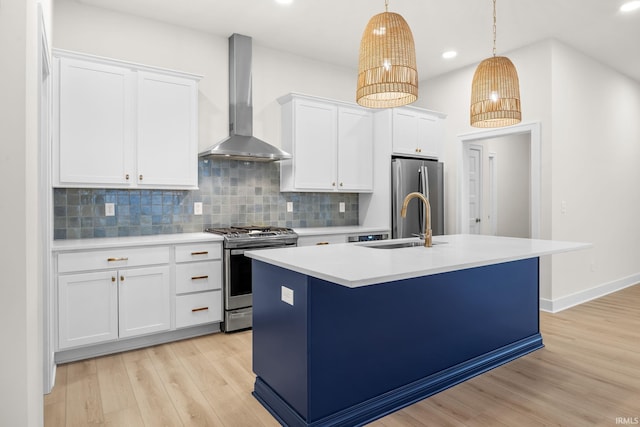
(480, 178)
(533, 129)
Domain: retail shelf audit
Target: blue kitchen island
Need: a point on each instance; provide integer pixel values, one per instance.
(344, 334)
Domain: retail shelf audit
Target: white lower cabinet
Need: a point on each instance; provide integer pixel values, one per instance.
(144, 301)
(87, 308)
(198, 284)
(107, 295)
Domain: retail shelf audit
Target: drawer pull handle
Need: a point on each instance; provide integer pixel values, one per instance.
(193, 310)
(322, 243)
(199, 277)
(124, 258)
(200, 253)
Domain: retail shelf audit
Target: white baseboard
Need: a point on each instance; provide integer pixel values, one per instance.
(562, 303)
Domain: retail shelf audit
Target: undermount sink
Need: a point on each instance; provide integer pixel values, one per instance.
(398, 245)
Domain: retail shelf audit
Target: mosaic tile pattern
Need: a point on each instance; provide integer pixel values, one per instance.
(231, 192)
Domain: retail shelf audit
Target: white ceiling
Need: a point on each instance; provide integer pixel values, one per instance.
(330, 30)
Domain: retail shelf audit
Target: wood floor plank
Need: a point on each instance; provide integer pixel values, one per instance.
(115, 388)
(84, 405)
(191, 405)
(587, 375)
(154, 403)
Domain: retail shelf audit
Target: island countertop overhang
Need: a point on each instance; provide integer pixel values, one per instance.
(357, 264)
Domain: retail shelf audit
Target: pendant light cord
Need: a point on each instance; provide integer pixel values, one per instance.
(386, 5)
(494, 27)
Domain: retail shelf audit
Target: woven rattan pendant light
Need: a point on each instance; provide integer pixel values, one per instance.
(387, 73)
(495, 91)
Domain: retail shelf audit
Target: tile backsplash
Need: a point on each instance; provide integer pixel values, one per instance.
(231, 192)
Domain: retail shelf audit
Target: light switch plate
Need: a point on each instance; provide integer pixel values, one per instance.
(109, 209)
(287, 295)
(289, 206)
(197, 208)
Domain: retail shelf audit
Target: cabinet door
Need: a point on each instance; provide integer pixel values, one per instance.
(430, 135)
(405, 132)
(314, 145)
(94, 138)
(87, 308)
(355, 149)
(144, 301)
(167, 131)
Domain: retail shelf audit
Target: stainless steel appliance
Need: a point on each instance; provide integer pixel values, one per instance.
(424, 176)
(241, 144)
(236, 285)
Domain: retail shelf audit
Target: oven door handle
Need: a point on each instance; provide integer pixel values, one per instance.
(243, 250)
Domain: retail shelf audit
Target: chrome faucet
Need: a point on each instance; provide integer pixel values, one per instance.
(427, 216)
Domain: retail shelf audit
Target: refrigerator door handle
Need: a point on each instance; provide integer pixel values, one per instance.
(423, 175)
(396, 203)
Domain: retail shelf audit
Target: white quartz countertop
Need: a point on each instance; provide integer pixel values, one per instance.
(112, 242)
(354, 264)
(346, 229)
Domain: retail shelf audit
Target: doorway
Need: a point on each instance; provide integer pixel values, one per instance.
(512, 191)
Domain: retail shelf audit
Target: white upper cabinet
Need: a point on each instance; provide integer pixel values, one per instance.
(95, 112)
(122, 125)
(355, 149)
(417, 132)
(331, 144)
(167, 131)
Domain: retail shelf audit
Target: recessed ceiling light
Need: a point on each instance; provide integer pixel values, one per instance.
(284, 1)
(630, 5)
(449, 54)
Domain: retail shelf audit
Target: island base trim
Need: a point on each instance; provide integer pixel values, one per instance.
(384, 404)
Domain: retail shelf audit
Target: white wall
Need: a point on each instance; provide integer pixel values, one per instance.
(596, 149)
(451, 94)
(513, 161)
(20, 293)
(590, 144)
(105, 33)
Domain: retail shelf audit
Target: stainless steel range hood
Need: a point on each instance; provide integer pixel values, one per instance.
(241, 144)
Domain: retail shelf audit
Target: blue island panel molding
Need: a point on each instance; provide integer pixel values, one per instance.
(343, 356)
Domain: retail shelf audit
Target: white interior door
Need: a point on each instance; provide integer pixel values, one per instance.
(474, 173)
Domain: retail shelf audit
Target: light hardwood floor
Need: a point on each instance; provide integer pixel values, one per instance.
(587, 375)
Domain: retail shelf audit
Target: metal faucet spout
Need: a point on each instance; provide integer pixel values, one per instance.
(427, 216)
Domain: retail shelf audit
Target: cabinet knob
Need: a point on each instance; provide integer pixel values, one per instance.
(126, 177)
(113, 278)
(333, 184)
(122, 278)
(140, 177)
(341, 184)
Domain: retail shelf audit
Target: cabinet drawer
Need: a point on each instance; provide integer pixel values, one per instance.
(198, 276)
(195, 309)
(198, 252)
(322, 239)
(112, 258)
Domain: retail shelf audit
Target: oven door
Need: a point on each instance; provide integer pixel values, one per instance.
(237, 270)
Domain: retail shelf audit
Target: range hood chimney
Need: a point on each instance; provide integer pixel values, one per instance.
(241, 144)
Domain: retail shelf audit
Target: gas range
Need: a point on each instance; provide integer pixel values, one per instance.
(237, 284)
(256, 236)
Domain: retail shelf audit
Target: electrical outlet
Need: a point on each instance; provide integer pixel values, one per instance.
(197, 208)
(341, 207)
(289, 206)
(109, 209)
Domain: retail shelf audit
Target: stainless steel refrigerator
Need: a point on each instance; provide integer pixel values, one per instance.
(424, 176)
